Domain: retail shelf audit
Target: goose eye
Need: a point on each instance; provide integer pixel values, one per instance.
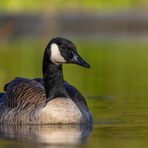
(63, 47)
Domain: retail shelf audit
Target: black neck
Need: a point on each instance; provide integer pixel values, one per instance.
(53, 79)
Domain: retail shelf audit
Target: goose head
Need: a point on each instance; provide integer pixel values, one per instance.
(60, 50)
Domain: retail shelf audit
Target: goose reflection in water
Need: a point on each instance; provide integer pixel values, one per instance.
(47, 134)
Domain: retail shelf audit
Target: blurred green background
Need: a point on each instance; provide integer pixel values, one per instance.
(111, 35)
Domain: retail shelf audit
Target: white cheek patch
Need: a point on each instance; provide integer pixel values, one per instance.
(56, 57)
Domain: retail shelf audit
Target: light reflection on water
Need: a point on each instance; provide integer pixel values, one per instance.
(71, 134)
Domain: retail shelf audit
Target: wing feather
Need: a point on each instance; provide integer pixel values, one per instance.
(23, 93)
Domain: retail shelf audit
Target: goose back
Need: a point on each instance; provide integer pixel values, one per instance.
(24, 93)
(22, 101)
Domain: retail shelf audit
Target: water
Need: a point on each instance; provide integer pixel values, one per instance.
(44, 135)
(115, 87)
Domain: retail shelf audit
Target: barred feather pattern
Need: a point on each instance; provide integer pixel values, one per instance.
(23, 99)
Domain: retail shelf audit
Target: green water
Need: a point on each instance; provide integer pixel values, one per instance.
(116, 88)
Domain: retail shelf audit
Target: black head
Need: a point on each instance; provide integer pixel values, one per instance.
(61, 51)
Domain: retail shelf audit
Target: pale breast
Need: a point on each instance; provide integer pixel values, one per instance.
(60, 110)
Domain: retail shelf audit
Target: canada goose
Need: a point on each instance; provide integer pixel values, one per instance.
(49, 100)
